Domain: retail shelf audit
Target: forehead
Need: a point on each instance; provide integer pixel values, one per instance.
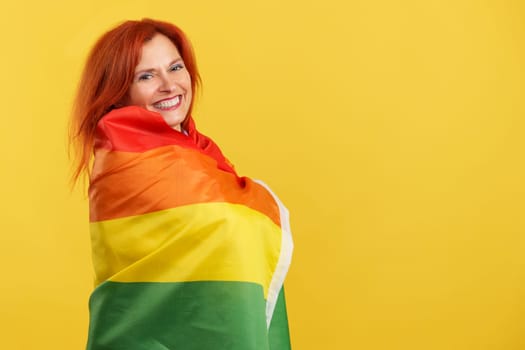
(157, 52)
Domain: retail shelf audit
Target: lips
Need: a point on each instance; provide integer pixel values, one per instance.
(169, 104)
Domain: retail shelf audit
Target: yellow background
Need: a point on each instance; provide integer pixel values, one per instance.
(393, 130)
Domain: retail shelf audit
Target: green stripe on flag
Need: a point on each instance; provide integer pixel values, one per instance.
(208, 315)
(279, 336)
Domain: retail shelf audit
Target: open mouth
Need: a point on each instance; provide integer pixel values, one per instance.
(170, 104)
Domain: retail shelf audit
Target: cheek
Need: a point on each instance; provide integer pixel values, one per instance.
(187, 87)
(186, 82)
(140, 96)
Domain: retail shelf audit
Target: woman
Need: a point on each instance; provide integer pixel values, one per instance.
(187, 254)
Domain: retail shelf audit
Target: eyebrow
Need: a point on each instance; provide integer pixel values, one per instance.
(150, 70)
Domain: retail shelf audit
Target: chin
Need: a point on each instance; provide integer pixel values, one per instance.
(173, 121)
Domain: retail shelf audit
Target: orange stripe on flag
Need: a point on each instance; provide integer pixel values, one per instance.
(167, 177)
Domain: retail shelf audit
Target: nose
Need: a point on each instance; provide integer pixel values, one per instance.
(166, 84)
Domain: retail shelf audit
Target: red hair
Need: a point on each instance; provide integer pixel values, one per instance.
(108, 74)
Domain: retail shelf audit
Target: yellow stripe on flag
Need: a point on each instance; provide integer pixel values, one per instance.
(199, 242)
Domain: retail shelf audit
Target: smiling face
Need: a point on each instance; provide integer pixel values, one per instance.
(161, 83)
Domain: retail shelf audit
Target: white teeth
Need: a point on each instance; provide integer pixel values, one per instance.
(167, 104)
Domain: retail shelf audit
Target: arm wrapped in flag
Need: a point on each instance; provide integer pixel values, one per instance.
(187, 254)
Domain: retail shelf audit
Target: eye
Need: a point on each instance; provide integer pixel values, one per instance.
(145, 76)
(176, 67)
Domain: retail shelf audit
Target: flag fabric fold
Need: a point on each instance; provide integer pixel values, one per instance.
(187, 254)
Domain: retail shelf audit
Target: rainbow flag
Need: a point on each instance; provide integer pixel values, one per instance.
(187, 254)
